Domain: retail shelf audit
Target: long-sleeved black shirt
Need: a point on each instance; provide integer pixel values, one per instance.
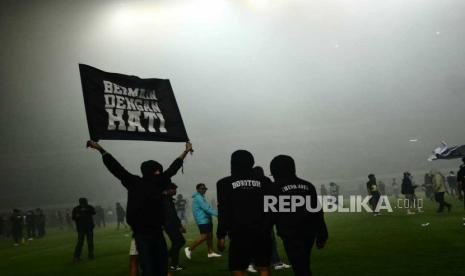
(301, 223)
(144, 212)
(240, 205)
(172, 219)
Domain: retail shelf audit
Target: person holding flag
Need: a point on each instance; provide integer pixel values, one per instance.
(144, 212)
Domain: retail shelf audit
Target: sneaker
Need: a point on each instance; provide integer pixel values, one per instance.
(281, 266)
(213, 255)
(420, 211)
(251, 269)
(410, 212)
(15, 244)
(188, 252)
(177, 268)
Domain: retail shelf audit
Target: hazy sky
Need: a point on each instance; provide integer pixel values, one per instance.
(340, 85)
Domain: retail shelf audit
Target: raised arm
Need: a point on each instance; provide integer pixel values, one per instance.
(177, 164)
(112, 164)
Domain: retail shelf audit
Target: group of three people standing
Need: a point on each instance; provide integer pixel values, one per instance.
(241, 214)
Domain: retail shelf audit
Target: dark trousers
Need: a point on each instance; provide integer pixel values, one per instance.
(374, 200)
(31, 231)
(177, 242)
(17, 234)
(298, 252)
(85, 233)
(440, 199)
(41, 230)
(275, 259)
(153, 254)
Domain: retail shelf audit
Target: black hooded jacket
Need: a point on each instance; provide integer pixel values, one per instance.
(240, 199)
(301, 223)
(144, 212)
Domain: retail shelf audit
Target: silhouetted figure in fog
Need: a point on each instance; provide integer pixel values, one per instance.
(99, 216)
(439, 190)
(120, 216)
(334, 191)
(145, 212)
(429, 186)
(181, 206)
(373, 190)
(83, 217)
(461, 182)
(323, 190)
(382, 188)
(40, 222)
(69, 220)
(30, 225)
(452, 182)
(59, 218)
(16, 221)
(395, 188)
(301, 229)
(241, 216)
(173, 227)
(408, 189)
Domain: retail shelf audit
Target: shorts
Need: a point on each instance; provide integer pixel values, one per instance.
(133, 248)
(248, 248)
(205, 228)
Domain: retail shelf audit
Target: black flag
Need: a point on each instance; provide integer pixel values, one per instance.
(122, 107)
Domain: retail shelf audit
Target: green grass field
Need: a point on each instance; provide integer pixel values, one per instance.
(360, 244)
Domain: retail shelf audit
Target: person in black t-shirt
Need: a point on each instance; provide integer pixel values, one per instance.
(82, 216)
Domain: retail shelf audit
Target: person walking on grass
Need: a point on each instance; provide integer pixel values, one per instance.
(300, 229)
(439, 190)
(173, 227)
(408, 189)
(120, 216)
(241, 216)
(16, 221)
(452, 182)
(82, 216)
(203, 213)
(373, 191)
(145, 213)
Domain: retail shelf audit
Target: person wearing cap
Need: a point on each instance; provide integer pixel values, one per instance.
(203, 213)
(241, 216)
(82, 216)
(144, 211)
(173, 227)
(299, 230)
